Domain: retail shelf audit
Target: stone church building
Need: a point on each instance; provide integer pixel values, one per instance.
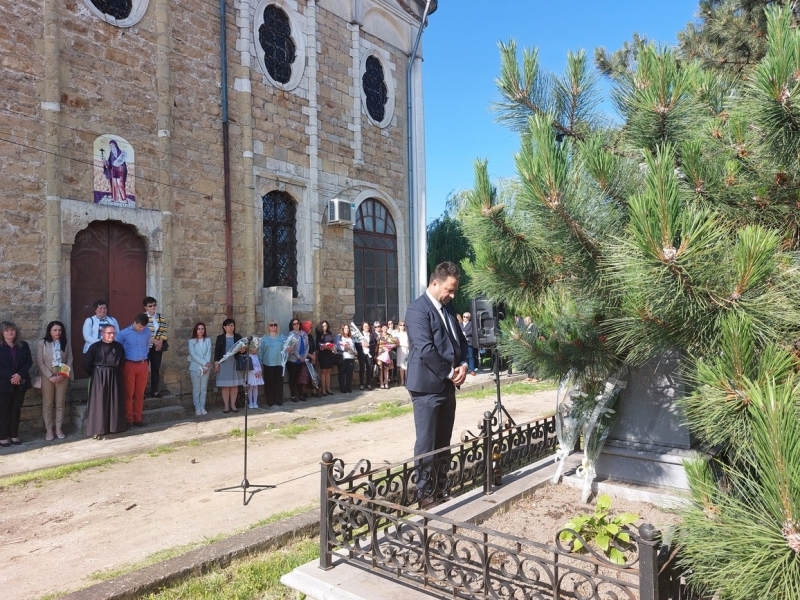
(263, 173)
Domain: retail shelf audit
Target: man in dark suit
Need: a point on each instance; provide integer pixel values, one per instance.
(437, 360)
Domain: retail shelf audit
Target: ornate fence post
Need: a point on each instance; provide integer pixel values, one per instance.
(649, 542)
(487, 451)
(326, 470)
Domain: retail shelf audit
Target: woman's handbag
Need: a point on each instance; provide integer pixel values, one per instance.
(243, 362)
(338, 359)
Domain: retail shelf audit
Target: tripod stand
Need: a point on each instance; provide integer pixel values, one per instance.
(499, 410)
(245, 485)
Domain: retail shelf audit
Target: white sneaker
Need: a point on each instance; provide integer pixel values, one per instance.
(203, 411)
(198, 411)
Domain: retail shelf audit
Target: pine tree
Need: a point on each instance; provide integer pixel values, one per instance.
(676, 231)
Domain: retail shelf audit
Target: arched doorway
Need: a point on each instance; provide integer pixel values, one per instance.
(109, 262)
(375, 263)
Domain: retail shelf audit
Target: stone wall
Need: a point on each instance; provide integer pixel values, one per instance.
(69, 77)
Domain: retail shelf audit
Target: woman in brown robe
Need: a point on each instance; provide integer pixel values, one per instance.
(103, 362)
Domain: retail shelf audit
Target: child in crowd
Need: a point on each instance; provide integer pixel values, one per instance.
(254, 377)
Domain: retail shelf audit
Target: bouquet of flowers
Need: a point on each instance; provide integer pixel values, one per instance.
(358, 338)
(570, 417)
(328, 346)
(64, 370)
(242, 343)
(597, 427)
(312, 372)
(290, 347)
(389, 342)
(346, 344)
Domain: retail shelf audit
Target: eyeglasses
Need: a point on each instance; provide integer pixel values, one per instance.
(273, 324)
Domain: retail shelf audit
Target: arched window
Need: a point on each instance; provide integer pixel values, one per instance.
(280, 240)
(375, 263)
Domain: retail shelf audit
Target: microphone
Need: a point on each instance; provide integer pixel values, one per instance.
(249, 338)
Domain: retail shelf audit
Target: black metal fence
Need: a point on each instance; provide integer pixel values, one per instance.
(449, 471)
(372, 517)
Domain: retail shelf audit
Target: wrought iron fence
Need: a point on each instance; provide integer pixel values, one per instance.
(367, 517)
(450, 471)
(460, 560)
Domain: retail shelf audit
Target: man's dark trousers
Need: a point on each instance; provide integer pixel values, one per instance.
(434, 415)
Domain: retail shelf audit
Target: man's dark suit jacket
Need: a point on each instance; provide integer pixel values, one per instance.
(431, 353)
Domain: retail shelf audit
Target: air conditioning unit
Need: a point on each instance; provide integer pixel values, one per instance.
(340, 211)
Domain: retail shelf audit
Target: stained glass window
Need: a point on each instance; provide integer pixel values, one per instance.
(119, 9)
(275, 38)
(375, 89)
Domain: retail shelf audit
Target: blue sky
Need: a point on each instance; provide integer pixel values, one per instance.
(462, 61)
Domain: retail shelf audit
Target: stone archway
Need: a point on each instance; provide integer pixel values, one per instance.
(108, 261)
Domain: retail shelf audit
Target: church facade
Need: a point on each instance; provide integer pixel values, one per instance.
(273, 171)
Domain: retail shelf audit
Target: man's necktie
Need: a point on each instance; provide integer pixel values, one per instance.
(448, 326)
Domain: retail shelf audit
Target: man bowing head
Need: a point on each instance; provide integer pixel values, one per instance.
(437, 359)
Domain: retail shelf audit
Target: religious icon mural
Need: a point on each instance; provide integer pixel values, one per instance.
(114, 179)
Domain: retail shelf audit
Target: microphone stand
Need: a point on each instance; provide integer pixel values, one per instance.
(246, 485)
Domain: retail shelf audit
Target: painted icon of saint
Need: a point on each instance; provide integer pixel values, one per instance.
(115, 169)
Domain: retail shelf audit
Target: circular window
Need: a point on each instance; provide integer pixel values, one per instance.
(279, 44)
(377, 91)
(121, 13)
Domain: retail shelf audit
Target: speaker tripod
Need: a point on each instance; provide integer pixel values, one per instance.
(499, 411)
(245, 486)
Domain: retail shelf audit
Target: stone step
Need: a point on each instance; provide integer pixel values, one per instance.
(166, 414)
(156, 410)
(153, 403)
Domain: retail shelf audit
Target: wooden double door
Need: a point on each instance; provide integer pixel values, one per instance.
(108, 262)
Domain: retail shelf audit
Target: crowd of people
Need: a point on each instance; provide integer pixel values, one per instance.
(119, 360)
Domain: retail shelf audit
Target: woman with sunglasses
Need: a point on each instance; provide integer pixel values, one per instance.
(296, 361)
(269, 353)
(466, 327)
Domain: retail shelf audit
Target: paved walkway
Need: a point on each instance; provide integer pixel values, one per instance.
(38, 454)
(158, 500)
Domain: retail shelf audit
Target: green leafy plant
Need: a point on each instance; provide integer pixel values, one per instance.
(600, 529)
